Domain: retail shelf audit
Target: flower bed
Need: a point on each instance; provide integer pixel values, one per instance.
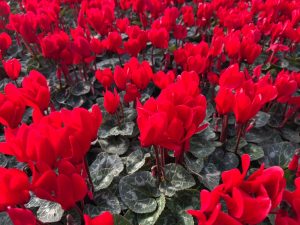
(124, 112)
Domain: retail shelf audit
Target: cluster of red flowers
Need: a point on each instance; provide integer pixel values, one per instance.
(53, 145)
(170, 120)
(248, 200)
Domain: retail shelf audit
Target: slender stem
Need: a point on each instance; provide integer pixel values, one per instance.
(87, 171)
(162, 162)
(157, 161)
(122, 112)
(224, 128)
(118, 119)
(240, 129)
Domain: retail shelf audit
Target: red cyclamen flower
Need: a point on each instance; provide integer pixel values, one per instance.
(105, 218)
(111, 101)
(12, 68)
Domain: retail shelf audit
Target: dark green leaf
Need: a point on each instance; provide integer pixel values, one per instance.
(259, 135)
(81, 88)
(231, 144)
(193, 163)
(151, 218)
(122, 130)
(254, 151)
(115, 145)
(278, 154)
(224, 160)
(184, 200)
(261, 119)
(104, 169)
(138, 191)
(91, 210)
(176, 179)
(61, 95)
(211, 176)
(4, 219)
(107, 201)
(75, 101)
(291, 135)
(135, 161)
(169, 217)
(129, 114)
(120, 220)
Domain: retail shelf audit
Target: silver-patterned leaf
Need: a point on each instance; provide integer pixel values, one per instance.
(129, 114)
(105, 63)
(260, 135)
(176, 179)
(211, 176)
(107, 201)
(231, 144)
(210, 110)
(114, 145)
(4, 219)
(104, 169)
(91, 210)
(254, 151)
(291, 135)
(184, 200)
(50, 212)
(81, 88)
(224, 160)
(138, 191)
(125, 129)
(135, 161)
(151, 218)
(193, 163)
(75, 101)
(35, 202)
(3, 160)
(261, 119)
(169, 217)
(278, 154)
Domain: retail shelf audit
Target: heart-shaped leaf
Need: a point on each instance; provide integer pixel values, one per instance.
(115, 145)
(139, 192)
(104, 169)
(107, 201)
(151, 218)
(50, 212)
(261, 119)
(211, 176)
(81, 88)
(254, 151)
(176, 179)
(278, 154)
(135, 161)
(193, 163)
